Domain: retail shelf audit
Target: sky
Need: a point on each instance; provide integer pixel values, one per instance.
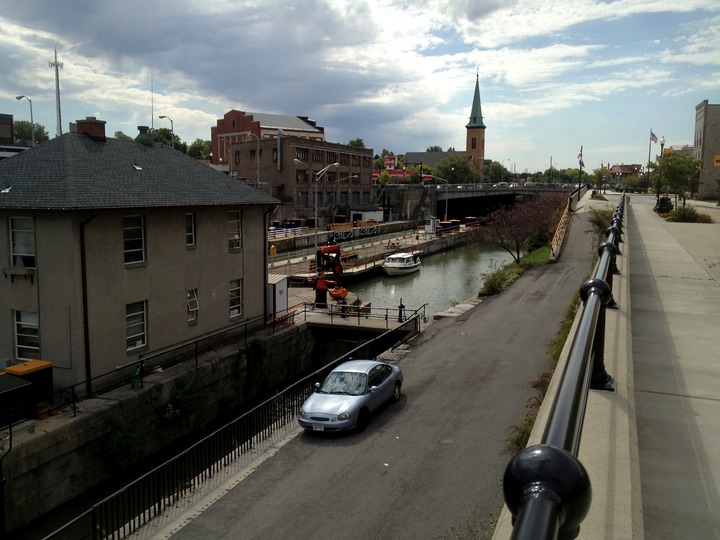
(554, 75)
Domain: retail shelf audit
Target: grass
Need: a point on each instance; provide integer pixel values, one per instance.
(501, 278)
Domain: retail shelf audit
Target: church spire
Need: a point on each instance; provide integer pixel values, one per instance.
(476, 119)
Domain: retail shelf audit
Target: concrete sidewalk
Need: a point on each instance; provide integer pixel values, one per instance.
(675, 291)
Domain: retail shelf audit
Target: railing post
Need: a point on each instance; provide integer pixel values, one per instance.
(548, 492)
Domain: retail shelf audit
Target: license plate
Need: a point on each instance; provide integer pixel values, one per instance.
(318, 427)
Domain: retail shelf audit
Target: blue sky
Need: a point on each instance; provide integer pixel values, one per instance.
(553, 75)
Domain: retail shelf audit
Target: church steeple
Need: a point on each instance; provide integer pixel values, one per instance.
(475, 137)
(476, 119)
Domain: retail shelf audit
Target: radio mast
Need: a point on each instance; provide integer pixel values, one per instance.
(57, 65)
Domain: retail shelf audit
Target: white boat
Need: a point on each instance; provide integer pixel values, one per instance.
(398, 264)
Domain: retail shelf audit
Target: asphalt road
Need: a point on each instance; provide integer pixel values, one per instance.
(431, 465)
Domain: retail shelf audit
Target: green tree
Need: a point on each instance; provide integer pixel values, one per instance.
(679, 172)
(384, 178)
(456, 170)
(23, 132)
(434, 149)
(357, 143)
(120, 135)
(199, 149)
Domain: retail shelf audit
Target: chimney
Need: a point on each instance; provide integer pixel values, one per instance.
(92, 127)
(144, 136)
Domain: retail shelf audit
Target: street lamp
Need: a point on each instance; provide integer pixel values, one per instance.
(662, 145)
(32, 123)
(318, 175)
(172, 130)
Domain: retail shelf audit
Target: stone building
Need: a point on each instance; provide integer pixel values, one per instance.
(706, 148)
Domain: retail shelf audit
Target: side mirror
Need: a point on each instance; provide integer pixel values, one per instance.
(316, 387)
(372, 389)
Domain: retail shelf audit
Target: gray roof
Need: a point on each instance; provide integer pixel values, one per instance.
(431, 159)
(78, 172)
(281, 121)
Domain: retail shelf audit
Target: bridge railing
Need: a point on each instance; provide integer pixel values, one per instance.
(546, 488)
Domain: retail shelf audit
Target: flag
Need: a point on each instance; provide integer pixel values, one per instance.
(580, 158)
(653, 138)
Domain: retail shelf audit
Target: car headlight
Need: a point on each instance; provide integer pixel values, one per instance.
(344, 416)
(301, 414)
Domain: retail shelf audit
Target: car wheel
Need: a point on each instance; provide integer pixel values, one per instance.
(362, 420)
(397, 392)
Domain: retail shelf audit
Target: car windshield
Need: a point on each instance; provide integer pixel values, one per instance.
(342, 382)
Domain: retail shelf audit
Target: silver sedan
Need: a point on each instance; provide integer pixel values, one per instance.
(350, 394)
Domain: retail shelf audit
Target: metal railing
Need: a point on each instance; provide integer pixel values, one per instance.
(546, 488)
(237, 443)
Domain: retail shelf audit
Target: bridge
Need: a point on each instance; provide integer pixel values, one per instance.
(456, 201)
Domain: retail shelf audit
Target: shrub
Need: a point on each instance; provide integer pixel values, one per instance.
(688, 214)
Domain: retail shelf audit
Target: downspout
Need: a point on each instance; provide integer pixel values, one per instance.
(266, 224)
(86, 327)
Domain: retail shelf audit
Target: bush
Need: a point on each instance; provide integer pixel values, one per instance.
(688, 214)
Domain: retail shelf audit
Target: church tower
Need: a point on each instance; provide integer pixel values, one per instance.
(475, 141)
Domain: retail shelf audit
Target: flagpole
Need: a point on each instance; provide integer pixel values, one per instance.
(648, 161)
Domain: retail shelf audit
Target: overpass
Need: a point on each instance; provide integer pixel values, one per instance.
(456, 201)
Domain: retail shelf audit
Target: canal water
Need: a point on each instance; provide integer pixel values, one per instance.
(445, 279)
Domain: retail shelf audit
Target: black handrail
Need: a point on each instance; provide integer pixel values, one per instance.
(546, 488)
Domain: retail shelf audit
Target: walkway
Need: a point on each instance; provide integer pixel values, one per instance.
(675, 294)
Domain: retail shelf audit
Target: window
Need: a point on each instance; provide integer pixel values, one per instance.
(234, 230)
(192, 306)
(317, 155)
(301, 154)
(135, 328)
(236, 297)
(237, 156)
(133, 239)
(190, 230)
(473, 143)
(22, 234)
(27, 335)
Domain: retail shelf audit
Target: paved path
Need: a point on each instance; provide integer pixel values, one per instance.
(432, 465)
(675, 292)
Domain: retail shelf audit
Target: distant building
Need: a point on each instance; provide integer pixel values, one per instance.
(239, 126)
(116, 249)
(621, 172)
(706, 148)
(7, 139)
(260, 149)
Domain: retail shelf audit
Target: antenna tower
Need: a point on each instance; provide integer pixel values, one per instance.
(57, 65)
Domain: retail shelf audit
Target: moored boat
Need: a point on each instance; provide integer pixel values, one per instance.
(399, 264)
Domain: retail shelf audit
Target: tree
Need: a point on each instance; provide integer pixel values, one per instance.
(120, 135)
(24, 134)
(357, 143)
(384, 178)
(456, 170)
(200, 149)
(679, 172)
(512, 228)
(434, 149)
